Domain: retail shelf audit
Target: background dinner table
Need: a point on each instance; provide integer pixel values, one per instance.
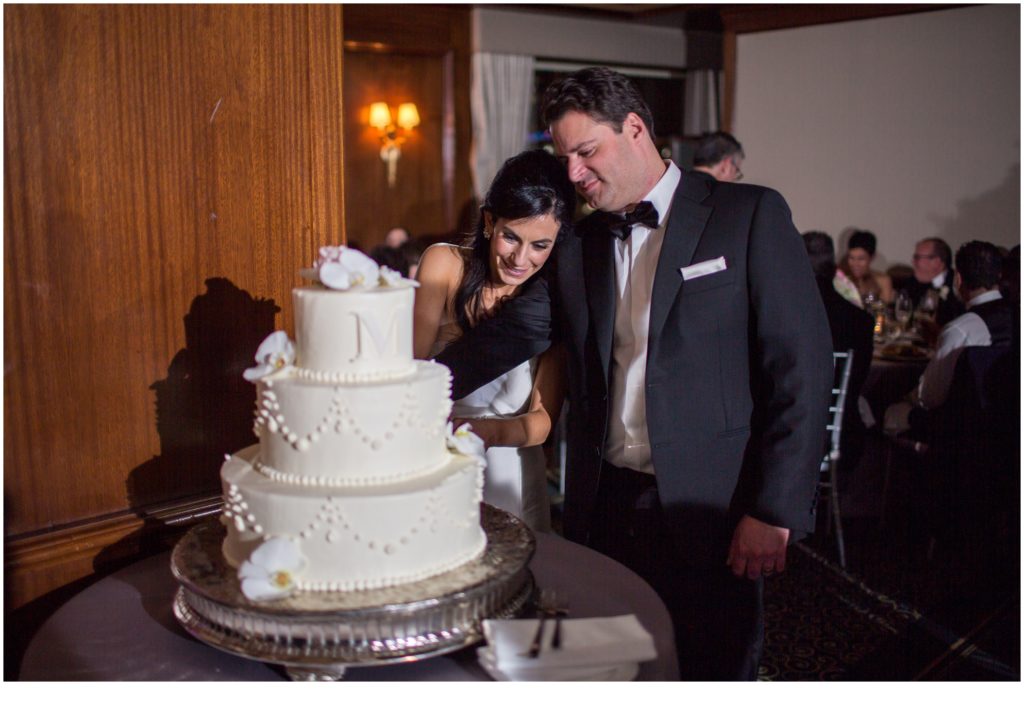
(123, 629)
(891, 378)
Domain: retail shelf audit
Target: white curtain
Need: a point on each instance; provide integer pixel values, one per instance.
(702, 104)
(502, 86)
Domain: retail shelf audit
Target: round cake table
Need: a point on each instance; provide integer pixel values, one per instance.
(123, 628)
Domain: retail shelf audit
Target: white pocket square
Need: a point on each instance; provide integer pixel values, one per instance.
(715, 265)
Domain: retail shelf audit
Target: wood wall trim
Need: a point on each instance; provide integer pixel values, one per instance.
(728, 79)
(33, 563)
(762, 18)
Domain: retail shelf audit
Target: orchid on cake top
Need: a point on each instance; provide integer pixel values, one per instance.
(357, 469)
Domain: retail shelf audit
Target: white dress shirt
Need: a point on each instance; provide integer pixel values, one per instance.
(968, 329)
(636, 260)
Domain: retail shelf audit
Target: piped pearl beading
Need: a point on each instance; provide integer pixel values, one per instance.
(236, 512)
(353, 377)
(354, 481)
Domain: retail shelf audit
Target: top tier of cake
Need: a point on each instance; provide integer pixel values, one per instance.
(362, 335)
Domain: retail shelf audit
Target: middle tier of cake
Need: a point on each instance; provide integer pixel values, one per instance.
(317, 433)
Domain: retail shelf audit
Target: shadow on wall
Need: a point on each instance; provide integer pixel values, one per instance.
(992, 216)
(204, 409)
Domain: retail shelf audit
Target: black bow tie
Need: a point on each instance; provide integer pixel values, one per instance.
(621, 224)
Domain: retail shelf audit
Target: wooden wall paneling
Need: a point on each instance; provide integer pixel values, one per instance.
(167, 169)
(417, 199)
(392, 52)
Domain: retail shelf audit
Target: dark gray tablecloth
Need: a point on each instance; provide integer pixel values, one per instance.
(889, 381)
(122, 628)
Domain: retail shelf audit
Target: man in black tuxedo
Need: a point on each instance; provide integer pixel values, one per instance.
(933, 261)
(700, 368)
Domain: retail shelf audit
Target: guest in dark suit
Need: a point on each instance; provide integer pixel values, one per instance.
(721, 156)
(700, 370)
(852, 329)
(933, 270)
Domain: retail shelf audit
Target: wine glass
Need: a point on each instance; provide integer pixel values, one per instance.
(929, 305)
(903, 310)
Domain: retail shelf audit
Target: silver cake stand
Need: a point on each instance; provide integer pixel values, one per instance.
(317, 635)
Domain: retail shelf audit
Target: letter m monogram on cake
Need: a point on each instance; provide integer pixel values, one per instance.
(373, 341)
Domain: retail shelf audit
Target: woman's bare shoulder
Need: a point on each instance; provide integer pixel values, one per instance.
(445, 255)
(441, 263)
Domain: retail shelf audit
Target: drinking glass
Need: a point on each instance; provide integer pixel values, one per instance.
(929, 305)
(903, 310)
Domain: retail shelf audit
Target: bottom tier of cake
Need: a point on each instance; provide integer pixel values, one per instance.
(357, 538)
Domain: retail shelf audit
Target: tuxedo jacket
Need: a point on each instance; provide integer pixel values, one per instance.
(739, 366)
(950, 307)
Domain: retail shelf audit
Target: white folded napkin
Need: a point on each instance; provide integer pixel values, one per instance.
(592, 648)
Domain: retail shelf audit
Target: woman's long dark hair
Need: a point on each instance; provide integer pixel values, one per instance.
(530, 184)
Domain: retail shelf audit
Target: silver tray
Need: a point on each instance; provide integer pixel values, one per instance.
(316, 635)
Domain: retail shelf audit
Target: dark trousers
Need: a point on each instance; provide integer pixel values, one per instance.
(718, 618)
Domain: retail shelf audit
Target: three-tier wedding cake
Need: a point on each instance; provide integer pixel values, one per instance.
(357, 480)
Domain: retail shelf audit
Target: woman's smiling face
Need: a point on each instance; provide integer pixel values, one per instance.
(519, 247)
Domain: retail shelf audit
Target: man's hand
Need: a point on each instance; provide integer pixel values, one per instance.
(757, 548)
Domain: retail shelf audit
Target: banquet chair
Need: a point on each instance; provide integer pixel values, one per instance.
(828, 480)
(975, 456)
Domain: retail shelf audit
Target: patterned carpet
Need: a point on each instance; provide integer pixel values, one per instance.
(894, 614)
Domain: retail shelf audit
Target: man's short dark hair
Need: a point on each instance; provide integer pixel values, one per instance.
(715, 148)
(822, 253)
(942, 250)
(980, 265)
(601, 93)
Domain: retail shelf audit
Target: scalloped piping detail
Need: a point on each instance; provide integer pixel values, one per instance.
(341, 418)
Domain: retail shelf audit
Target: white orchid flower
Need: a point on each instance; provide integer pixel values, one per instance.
(274, 353)
(463, 440)
(390, 277)
(341, 268)
(393, 278)
(271, 572)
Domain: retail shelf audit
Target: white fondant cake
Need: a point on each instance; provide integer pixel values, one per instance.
(355, 476)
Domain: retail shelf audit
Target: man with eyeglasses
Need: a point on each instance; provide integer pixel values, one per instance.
(719, 155)
(932, 271)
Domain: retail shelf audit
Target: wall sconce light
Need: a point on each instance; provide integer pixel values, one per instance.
(380, 119)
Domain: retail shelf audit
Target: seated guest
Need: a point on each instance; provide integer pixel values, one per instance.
(933, 261)
(856, 265)
(393, 258)
(852, 328)
(988, 320)
(396, 237)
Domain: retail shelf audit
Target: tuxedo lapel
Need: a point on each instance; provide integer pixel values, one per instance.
(599, 275)
(686, 224)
